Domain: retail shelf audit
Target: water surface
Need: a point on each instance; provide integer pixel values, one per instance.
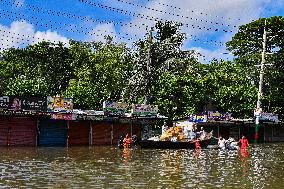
(262, 166)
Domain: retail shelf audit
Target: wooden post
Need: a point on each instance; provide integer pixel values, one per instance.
(131, 129)
(37, 131)
(111, 134)
(67, 139)
(264, 135)
(239, 137)
(90, 134)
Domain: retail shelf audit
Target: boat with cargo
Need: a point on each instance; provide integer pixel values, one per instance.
(179, 137)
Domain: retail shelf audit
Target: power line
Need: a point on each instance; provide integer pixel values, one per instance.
(173, 14)
(193, 11)
(50, 23)
(54, 27)
(194, 38)
(31, 39)
(138, 15)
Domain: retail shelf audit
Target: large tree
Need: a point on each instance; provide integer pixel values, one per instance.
(102, 73)
(40, 69)
(247, 46)
(161, 70)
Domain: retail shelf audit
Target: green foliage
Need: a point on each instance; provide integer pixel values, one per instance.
(247, 46)
(102, 72)
(40, 69)
(160, 71)
(229, 89)
(156, 72)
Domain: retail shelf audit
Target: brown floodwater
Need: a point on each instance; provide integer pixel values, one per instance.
(262, 166)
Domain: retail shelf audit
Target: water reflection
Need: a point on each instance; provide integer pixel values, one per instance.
(260, 166)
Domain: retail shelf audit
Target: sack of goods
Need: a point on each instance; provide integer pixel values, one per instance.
(174, 132)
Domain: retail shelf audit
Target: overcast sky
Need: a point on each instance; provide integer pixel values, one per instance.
(207, 23)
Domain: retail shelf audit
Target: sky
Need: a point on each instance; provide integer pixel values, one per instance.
(208, 24)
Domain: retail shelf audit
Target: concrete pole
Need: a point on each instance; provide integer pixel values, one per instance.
(260, 86)
(150, 38)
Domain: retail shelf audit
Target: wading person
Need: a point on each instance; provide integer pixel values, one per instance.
(221, 143)
(197, 144)
(244, 142)
(127, 141)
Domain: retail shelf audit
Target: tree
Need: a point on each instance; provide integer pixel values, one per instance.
(160, 70)
(246, 45)
(229, 89)
(40, 69)
(102, 73)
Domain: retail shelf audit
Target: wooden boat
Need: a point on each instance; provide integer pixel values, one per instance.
(173, 145)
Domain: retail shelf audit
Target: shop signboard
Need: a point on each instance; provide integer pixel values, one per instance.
(33, 103)
(143, 110)
(4, 102)
(23, 103)
(268, 117)
(63, 116)
(198, 118)
(114, 108)
(215, 115)
(59, 104)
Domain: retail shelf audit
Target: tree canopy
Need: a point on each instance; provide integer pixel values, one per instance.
(157, 71)
(247, 46)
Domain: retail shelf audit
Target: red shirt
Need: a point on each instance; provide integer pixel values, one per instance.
(244, 143)
(197, 145)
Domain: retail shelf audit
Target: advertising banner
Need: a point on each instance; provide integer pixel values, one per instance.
(198, 118)
(59, 104)
(4, 102)
(63, 116)
(33, 103)
(23, 103)
(268, 117)
(142, 110)
(215, 115)
(114, 108)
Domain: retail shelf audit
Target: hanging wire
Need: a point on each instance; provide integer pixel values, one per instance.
(72, 30)
(173, 14)
(195, 11)
(138, 15)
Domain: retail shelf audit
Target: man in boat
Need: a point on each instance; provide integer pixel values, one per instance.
(164, 128)
(231, 144)
(202, 133)
(221, 143)
(127, 141)
(244, 143)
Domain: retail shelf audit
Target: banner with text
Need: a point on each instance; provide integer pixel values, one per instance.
(114, 108)
(198, 118)
(142, 110)
(268, 117)
(215, 115)
(23, 103)
(59, 104)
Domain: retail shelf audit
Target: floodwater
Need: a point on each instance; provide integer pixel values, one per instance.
(262, 166)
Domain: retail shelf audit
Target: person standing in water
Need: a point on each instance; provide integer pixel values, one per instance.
(197, 144)
(221, 143)
(244, 143)
(127, 141)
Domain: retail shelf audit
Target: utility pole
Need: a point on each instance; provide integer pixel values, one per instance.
(148, 84)
(260, 93)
